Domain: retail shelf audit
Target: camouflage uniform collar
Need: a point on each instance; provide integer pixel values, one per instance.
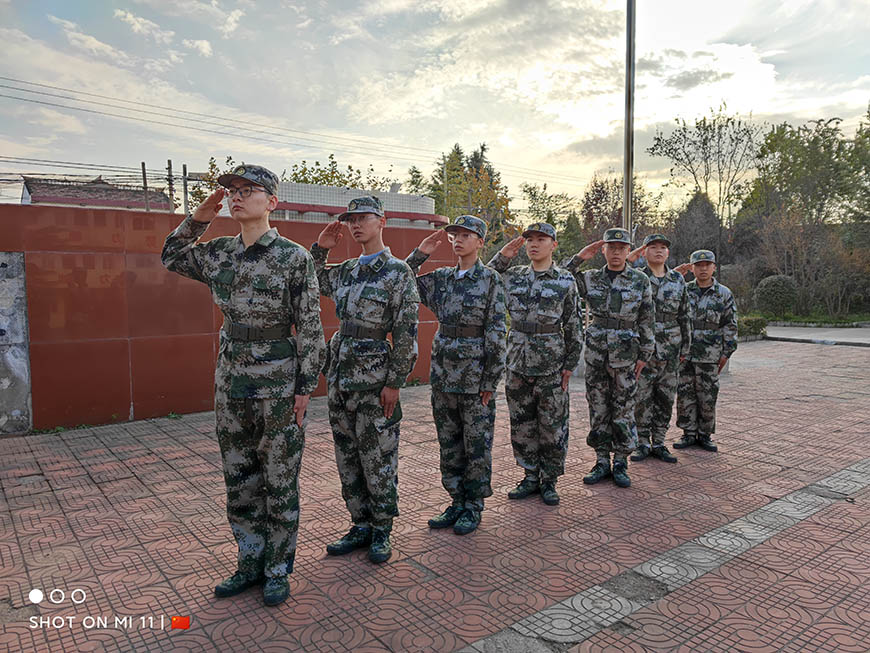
(694, 284)
(473, 271)
(265, 240)
(378, 262)
(626, 271)
(670, 273)
(551, 271)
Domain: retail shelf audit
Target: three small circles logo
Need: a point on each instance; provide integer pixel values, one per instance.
(56, 596)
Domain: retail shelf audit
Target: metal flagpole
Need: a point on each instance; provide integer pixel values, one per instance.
(628, 163)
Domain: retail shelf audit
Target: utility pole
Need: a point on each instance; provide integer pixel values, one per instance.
(184, 188)
(628, 162)
(145, 186)
(170, 186)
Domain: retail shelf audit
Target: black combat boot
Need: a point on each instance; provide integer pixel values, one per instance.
(641, 452)
(380, 549)
(661, 452)
(525, 488)
(620, 473)
(447, 518)
(598, 473)
(276, 590)
(549, 494)
(237, 583)
(688, 440)
(356, 538)
(706, 443)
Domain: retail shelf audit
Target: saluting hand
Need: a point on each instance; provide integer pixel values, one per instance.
(208, 210)
(684, 268)
(590, 250)
(513, 247)
(430, 243)
(330, 236)
(636, 254)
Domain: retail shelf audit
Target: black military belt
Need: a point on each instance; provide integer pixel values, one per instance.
(533, 327)
(247, 333)
(452, 331)
(705, 324)
(612, 322)
(359, 331)
(666, 316)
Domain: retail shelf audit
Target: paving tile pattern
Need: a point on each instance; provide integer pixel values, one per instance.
(761, 547)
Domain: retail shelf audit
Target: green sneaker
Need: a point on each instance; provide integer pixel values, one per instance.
(236, 584)
(356, 538)
(620, 473)
(688, 440)
(598, 473)
(276, 590)
(525, 488)
(380, 549)
(641, 452)
(549, 494)
(468, 521)
(447, 518)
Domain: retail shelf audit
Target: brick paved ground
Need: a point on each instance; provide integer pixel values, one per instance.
(133, 515)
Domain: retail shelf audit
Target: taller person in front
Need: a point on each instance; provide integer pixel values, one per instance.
(375, 295)
(544, 346)
(619, 344)
(265, 285)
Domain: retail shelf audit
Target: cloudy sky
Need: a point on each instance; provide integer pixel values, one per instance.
(395, 82)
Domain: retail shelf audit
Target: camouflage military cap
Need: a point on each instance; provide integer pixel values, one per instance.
(368, 204)
(702, 255)
(470, 223)
(255, 174)
(657, 237)
(540, 228)
(617, 235)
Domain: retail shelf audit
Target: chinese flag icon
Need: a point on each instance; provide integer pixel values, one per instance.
(181, 622)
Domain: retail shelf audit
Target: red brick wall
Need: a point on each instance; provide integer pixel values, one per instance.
(112, 331)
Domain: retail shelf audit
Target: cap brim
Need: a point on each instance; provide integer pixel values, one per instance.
(342, 216)
(456, 227)
(535, 231)
(619, 241)
(227, 179)
(660, 240)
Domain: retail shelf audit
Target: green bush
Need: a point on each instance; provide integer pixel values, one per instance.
(776, 294)
(751, 325)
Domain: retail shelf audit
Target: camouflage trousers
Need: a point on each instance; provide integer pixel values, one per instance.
(697, 393)
(465, 428)
(611, 393)
(539, 423)
(656, 390)
(261, 447)
(367, 455)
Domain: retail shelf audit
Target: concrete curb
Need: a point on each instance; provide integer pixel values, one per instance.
(818, 341)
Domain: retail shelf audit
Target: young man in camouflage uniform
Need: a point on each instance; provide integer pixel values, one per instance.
(375, 295)
(468, 358)
(657, 385)
(619, 344)
(544, 347)
(714, 338)
(264, 284)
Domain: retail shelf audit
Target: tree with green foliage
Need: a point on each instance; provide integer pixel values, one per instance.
(544, 206)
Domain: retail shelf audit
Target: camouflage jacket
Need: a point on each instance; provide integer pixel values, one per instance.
(547, 298)
(380, 295)
(672, 322)
(271, 283)
(714, 322)
(628, 297)
(476, 299)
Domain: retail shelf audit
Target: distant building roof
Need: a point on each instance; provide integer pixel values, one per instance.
(93, 192)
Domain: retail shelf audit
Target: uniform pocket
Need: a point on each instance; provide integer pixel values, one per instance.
(372, 305)
(222, 284)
